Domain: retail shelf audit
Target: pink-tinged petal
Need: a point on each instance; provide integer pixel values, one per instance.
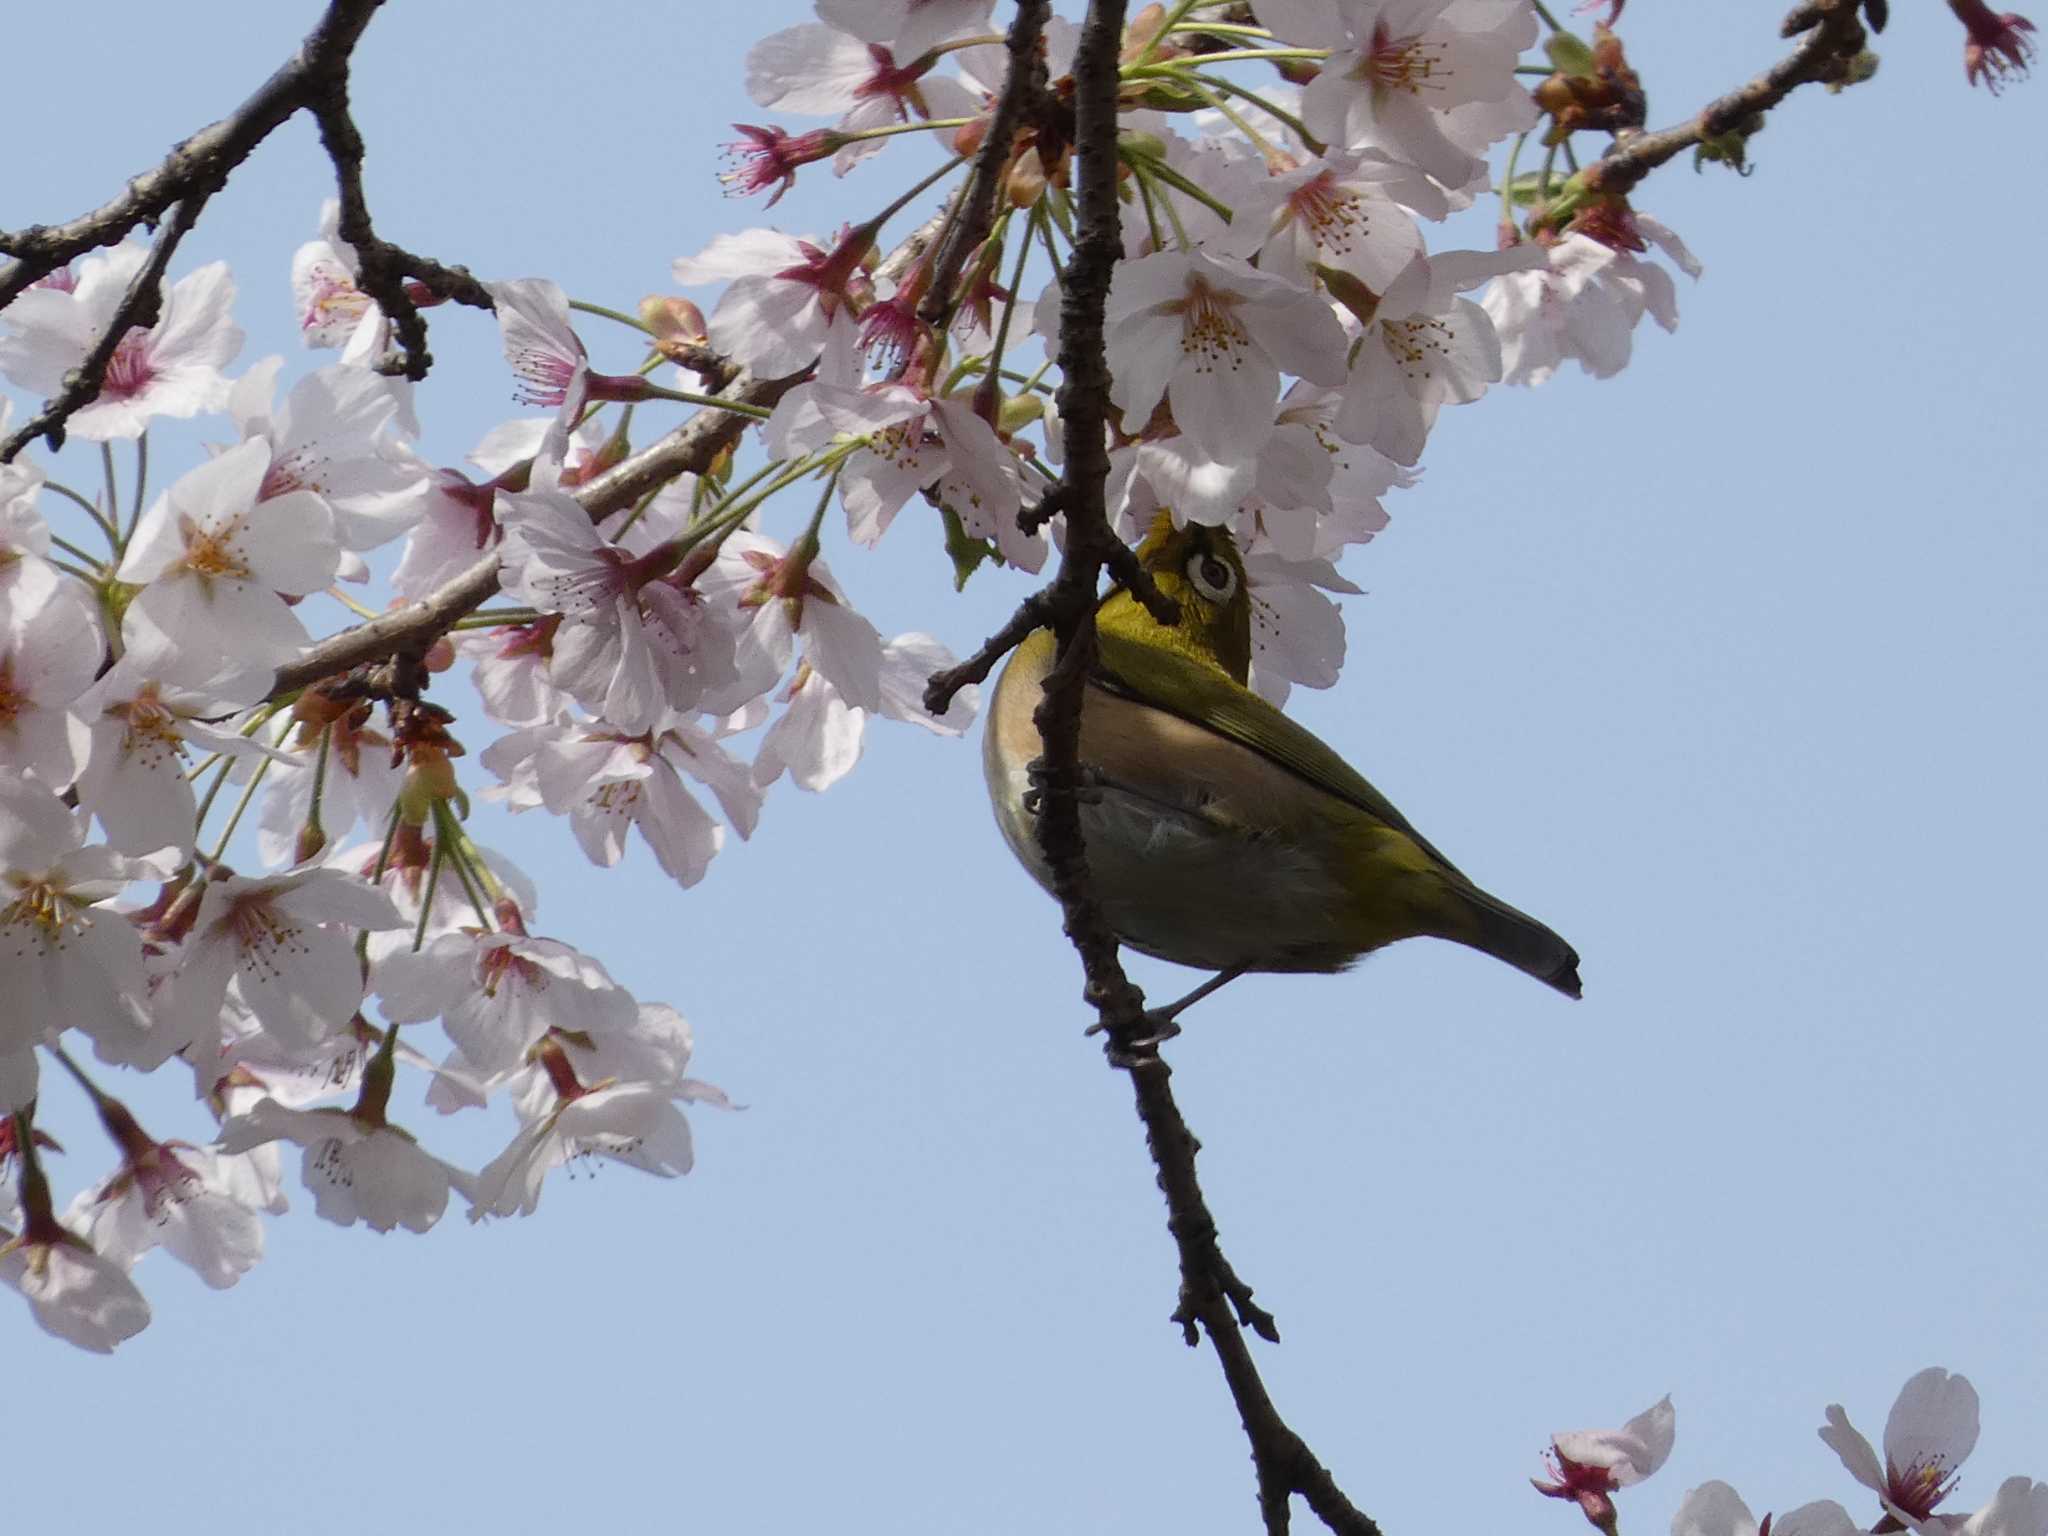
(807, 68)
(1842, 1438)
(845, 649)
(680, 832)
(1302, 335)
(817, 739)
(749, 252)
(908, 663)
(1933, 1424)
(1226, 409)
(288, 542)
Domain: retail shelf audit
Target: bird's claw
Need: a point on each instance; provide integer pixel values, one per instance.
(1159, 1028)
(1087, 785)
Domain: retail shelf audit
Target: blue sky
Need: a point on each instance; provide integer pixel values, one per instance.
(1729, 669)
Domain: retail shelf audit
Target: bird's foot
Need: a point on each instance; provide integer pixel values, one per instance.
(1157, 1028)
(1087, 784)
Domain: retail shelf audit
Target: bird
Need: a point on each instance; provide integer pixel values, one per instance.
(1220, 834)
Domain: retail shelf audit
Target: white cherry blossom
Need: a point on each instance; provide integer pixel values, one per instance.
(907, 28)
(82, 1297)
(1928, 1435)
(1423, 348)
(329, 436)
(608, 783)
(212, 556)
(140, 731)
(784, 295)
(1213, 338)
(50, 648)
(1399, 67)
(66, 957)
(172, 368)
(287, 942)
(498, 993)
(356, 1170)
(177, 1197)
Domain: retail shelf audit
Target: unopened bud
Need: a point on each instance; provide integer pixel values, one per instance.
(670, 318)
(440, 655)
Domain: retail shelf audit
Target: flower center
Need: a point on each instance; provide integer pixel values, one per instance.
(1402, 63)
(212, 551)
(1210, 331)
(130, 369)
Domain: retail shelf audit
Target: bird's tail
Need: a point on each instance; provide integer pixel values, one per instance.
(1499, 930)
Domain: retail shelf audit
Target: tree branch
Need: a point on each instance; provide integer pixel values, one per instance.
(1212, 1297)
(974, 213)
(1834, 35)
(314, 79)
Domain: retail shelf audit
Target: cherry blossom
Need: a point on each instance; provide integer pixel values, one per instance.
(1928, 1435)
(134, 775)
(1996, 45)
(909, 28)
(287, 943)
(357, 1169)
(608, 782)
(331, 306)
(80, 1296)
(818, 736)
(173, 368)
(910, 442)
(1424, 347)
(1588, 1465)
(50, 647)
(633, 1121)
(328, 436)
(786, 595)
(631, 645)
(212, 556)
(66, 958)
(1213, 338)
(498, 993)
(783, 294)
(1398, 68)
(170, 1195)
(822, 69)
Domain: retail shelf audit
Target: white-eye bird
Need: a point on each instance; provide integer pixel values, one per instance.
(1220, 833)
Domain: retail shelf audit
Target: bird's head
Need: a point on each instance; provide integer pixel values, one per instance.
(1200, 571)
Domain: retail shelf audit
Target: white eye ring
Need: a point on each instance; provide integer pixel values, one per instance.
(1212, 576)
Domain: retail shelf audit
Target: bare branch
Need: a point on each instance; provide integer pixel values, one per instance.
(1834, 35)
(383, 268)
(1211, 1294)
(314, 79)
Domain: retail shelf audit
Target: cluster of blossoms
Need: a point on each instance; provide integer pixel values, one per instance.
(1930, 1433)
(1282, 333)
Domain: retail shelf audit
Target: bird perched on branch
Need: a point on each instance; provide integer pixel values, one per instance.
(1219, 832)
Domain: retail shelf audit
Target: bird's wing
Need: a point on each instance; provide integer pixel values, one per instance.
(1207, 697)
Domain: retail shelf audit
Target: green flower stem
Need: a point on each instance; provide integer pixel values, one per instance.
(141, 481)
(604, 312)
(105, 523)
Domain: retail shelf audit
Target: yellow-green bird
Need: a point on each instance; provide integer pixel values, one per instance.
(1220, 833)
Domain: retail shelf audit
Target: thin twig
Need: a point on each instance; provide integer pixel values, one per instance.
(314, 79)
(1211, 1294)
(975, 212)
(1834, 35)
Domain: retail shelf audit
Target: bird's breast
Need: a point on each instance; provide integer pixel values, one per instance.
(1200, 850)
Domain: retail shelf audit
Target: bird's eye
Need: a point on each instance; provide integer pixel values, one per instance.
(1213, 578)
